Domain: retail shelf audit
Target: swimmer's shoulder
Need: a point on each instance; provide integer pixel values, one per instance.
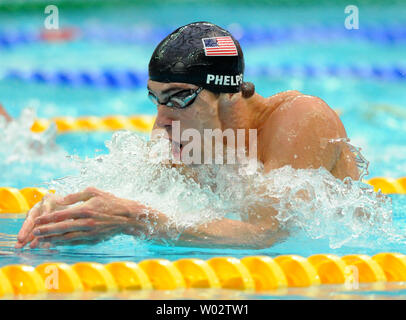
(299, 124)
(281, 98)
(293, 101)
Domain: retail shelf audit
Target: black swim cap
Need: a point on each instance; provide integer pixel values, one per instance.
(199, 53)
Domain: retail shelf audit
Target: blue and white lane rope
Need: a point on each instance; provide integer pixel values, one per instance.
(247, 35)
(136, 79)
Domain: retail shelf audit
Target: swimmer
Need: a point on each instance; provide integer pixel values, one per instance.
(3, 113)
(196, 78)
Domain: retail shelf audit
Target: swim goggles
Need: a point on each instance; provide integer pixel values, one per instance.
(179, 100)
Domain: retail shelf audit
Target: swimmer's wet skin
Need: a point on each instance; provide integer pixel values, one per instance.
(196, 77)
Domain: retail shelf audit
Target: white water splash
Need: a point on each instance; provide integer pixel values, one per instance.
(26, 155)
(361, 162)
(18, 143)
(312, 200)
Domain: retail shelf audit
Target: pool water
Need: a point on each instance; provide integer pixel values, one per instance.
(372, 105)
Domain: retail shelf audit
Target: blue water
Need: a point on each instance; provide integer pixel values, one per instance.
(373, 109)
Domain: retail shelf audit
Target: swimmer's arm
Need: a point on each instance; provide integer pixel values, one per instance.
(260, 230)
(220, 233)
(95, 215)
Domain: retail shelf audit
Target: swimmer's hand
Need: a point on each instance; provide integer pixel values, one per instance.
(98, 216)
(49, 203)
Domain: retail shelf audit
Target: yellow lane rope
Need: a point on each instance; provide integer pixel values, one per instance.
(142, 123)
(250, 274)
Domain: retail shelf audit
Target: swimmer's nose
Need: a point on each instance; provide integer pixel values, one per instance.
(163, 121)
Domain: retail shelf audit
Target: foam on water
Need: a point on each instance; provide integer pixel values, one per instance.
(309, 201)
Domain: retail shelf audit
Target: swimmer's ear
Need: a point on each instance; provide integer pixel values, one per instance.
(226, 100)
(247, 89)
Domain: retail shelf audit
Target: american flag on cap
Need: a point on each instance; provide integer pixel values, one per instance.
(219, 46)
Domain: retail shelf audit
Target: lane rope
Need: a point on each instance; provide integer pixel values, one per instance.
(140, 123)
(128, 79)
(383, 34)
(249, 274)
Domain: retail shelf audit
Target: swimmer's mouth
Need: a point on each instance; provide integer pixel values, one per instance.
(176, 149)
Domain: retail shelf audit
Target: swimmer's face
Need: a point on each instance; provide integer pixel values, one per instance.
(201, 114)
